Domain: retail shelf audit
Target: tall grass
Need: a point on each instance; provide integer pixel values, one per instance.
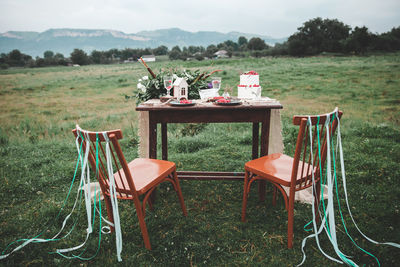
(39, 107)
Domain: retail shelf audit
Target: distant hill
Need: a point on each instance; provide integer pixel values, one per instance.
(66, 40)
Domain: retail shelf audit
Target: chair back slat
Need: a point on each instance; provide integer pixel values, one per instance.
(102, 171)
(304, 163)
(123, 180)
(309, 168)
(103, 165)
(121, 187)
(124, 165)
(304, 155)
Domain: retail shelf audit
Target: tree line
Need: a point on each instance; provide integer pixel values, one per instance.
(314, 37)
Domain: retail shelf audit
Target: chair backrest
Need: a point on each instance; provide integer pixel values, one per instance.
(303, 164)
(97, 145)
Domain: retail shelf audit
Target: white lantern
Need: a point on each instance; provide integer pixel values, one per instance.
(181, 88)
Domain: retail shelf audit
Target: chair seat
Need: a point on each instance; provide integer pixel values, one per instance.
(276, 167)
(145, 173)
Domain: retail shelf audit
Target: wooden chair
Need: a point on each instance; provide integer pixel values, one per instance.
(132, 180)
(294, 173)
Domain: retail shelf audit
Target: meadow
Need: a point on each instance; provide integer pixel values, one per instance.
(39, 108)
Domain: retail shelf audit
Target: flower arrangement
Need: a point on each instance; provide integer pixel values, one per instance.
(151, 87)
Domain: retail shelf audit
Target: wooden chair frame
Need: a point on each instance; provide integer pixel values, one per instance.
(124, 180)
(302, 168)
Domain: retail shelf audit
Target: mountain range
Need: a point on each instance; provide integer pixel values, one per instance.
(64, 41)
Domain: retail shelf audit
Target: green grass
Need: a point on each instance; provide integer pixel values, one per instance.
(39, 108)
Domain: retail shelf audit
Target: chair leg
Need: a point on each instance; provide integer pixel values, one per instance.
(142, 223)
(179, 192)
(110, 216)
(150, 203)
(274, 196)
(290, 222)
(245, 195)
(317, 200)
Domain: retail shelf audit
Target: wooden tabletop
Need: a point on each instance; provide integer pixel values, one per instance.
(264, 103)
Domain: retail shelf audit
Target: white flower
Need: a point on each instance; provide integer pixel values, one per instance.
(145, 78)
(139, 80)
(188, 76)
(141, 87)
(175, 76)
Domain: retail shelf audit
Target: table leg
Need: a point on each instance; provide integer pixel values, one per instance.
(256, 133)
(264, 149)
(164, 141)
(265, 134)
(152, 150)
(152, 138)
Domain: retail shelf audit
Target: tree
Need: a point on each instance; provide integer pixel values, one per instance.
(175, 53)
(194, 49)
(17, 59)
(210, 50)
(318, 35)
(231, 45)
(256, 43)
(40, 62)
(96, 56)
(388, 41)
(48, 54)
(359, 40)
(161, 50)
(242, 41)
(60, 59)
(48, 58)
(79, 56)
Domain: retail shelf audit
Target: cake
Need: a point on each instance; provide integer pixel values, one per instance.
(249, 86)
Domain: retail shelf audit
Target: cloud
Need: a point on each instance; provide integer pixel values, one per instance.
(274, 18)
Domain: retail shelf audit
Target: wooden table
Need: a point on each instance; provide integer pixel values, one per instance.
(257, 113)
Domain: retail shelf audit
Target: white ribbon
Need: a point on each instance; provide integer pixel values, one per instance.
(345, 194)
(43, 240)
(113, 198)
(331, 229)
(85, 184)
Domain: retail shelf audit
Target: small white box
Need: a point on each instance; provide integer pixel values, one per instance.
(207, 93)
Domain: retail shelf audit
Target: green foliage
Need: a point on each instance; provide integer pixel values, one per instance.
(256, 43)
(359, 40)
(153, 88)
(242, 41)
(161, 50)
(78, 56)
(318, 35)
(174, 53)
(48, 54)
(16, 59)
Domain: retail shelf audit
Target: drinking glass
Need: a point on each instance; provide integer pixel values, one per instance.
(168, 84)
(216, 82)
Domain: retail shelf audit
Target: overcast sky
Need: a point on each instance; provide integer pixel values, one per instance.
(277, 18)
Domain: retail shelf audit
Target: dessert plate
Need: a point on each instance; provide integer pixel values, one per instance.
(177, 103)
(231, 103)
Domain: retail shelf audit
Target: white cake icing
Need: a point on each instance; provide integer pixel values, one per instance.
(249, 86)
(249, 79)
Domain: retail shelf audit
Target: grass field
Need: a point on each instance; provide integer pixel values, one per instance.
(39, 107)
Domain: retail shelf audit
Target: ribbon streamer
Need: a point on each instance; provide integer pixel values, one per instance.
(328, 220)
